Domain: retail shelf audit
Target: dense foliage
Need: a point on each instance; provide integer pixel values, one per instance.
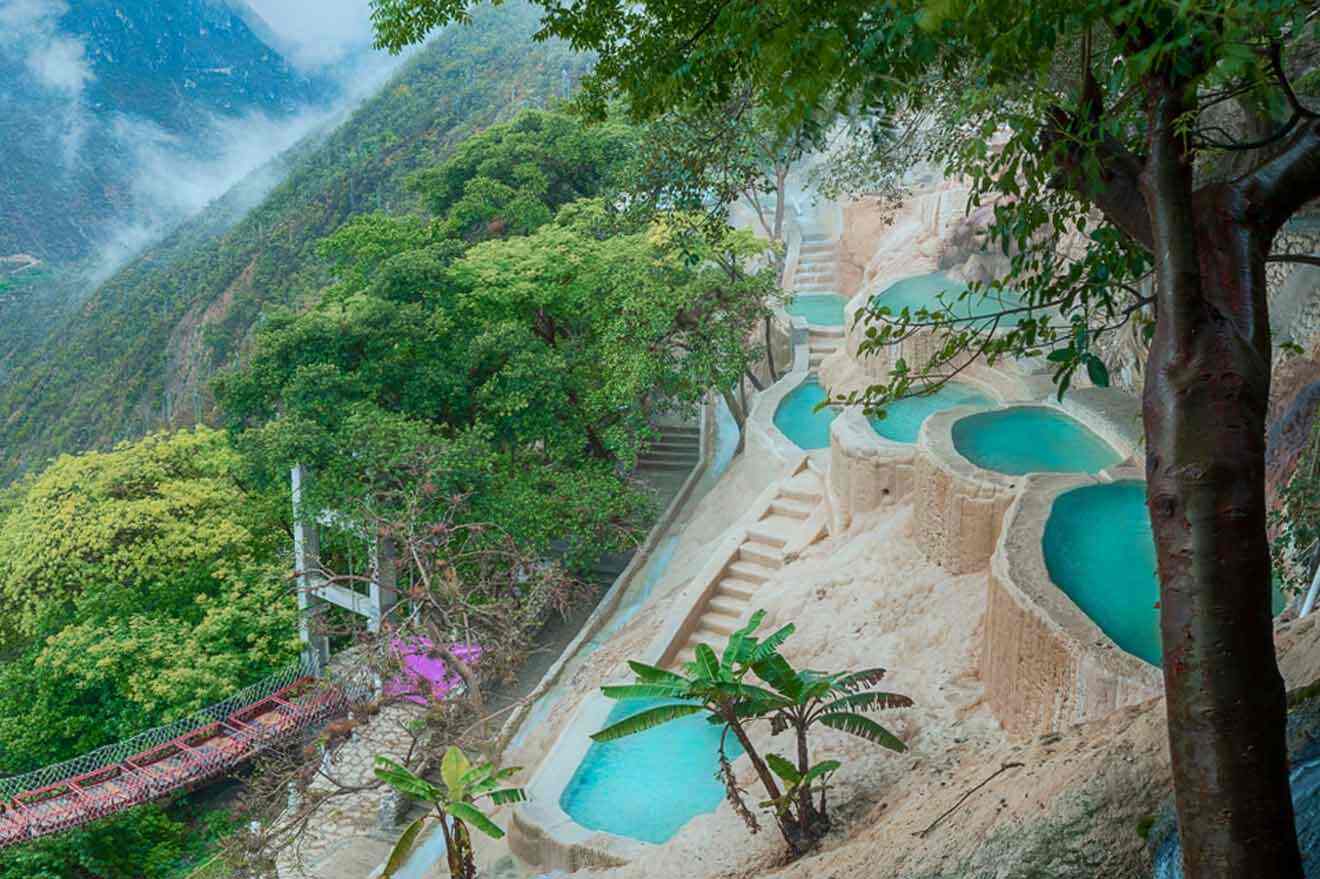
(138, 585)
(138, 354)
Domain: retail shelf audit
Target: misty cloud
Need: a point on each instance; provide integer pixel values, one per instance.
(317, 33)
(30, 30)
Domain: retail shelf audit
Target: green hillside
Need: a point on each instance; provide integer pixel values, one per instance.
(139, 353)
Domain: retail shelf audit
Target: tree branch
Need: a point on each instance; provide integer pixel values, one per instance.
(1280, 187)
(1117, 194)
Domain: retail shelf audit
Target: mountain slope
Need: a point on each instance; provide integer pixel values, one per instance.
(140, 351)
(96, 95)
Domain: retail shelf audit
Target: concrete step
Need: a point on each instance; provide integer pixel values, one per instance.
(735, 589)
(814, 287)
(667, 466)
(773, 530)
(790, 508)
(671, 454)
(761, 554)
(714, 631)
(726, 606)
(749, 571)
(804, 487)
(815, 274)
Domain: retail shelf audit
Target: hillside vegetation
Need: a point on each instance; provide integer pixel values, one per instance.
(139, 353)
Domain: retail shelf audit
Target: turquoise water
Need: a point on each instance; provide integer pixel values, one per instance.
(1306, 806)
(1031, 439)
(903, 418)
(649, 785)
(1100, 552)
(937, 291)
(797, 418)
(821, 309)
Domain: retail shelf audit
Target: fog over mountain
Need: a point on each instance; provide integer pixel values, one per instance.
(121, 117)
(317, 33)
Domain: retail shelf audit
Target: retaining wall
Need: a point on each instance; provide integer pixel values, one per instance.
(1044, 663)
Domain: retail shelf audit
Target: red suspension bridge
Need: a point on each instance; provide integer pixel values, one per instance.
(168, 759)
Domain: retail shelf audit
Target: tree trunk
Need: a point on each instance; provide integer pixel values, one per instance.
(788, 828)
(770, 350)
(814, 823)
(1204, 405)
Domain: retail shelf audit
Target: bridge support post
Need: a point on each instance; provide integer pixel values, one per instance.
(307, 563)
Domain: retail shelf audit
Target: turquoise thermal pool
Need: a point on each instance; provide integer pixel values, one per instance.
(938, 292)
(647, 786)
(903, 418)
(1100, 551)
(821, 309)
(1031, 439)
(797, 419)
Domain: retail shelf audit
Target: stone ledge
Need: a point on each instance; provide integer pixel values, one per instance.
(1045, 664)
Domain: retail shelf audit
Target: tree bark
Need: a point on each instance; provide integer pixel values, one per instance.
(1204, 407)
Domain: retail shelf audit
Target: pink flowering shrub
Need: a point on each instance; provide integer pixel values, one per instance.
(425, 678)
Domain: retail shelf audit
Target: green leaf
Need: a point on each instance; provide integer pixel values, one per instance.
(863, 727)
(508, 795)
(707, 665)
(776, 672)
(643, 691)
(824, 767)
(473, 817)
(770, 645)
(856, 680)
(1060, 355)
(784, 769)
(1096, 369)
(644, 720)
(868, 702)
(453, 767)
(407, 782)
(403, 848)
(733, 652)
(654, 675)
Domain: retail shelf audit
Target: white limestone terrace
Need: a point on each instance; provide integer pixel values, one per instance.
(785, 530)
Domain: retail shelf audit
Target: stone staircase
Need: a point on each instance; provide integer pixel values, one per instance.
(678, 448)
(822, 342)
(817, 265)
(786, 521)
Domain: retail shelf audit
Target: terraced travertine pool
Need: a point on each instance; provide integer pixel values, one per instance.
(938, 292)
(647, 786)
(797, 418)
(903, 418)
(821, 309)
(1031, 439)
(1100, 551)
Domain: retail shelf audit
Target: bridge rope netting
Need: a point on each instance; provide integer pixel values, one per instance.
(170, 758)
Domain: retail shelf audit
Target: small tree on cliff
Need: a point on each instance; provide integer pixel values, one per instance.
(1184, 125)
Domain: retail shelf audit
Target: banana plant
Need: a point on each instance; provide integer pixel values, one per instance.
(454, 804)
(729, 690)
(841, 701)
(714, 685)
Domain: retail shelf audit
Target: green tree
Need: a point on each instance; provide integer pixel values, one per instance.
(1186, 129)
(146, 527)
(455, 805)
(797, 701)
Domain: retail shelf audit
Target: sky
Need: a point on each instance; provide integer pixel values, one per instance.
(317, 32)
